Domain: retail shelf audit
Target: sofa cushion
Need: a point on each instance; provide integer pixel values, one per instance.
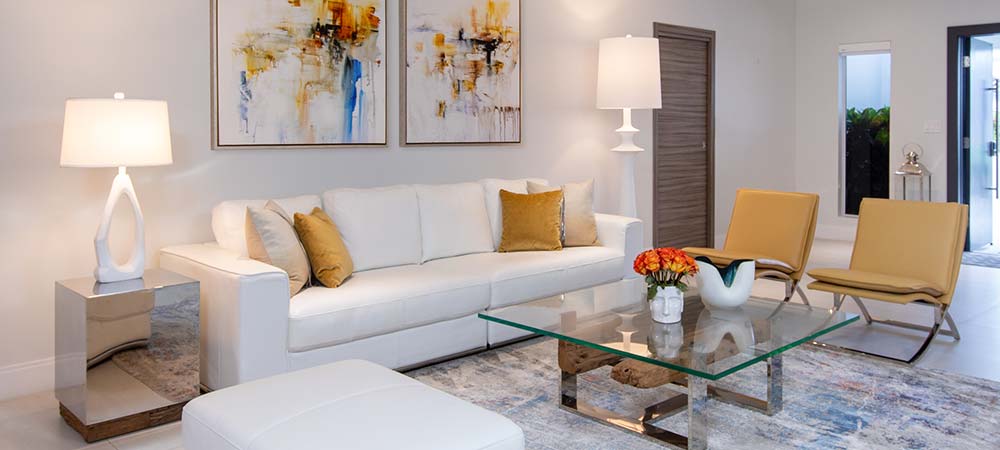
(229, 218)
(525, 276)
(382, 301)
(453, 220)
(491, 189)
(380, 226)
(335, 406)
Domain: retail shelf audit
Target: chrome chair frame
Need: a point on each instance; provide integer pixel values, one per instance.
(941, 316)
(791, 286)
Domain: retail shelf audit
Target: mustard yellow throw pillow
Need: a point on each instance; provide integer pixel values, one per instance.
(331, 263)
(531, 221)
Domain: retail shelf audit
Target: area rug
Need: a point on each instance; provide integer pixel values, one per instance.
(832, 400)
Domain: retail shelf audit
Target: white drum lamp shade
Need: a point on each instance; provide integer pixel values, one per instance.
(628, 74)
(117, 133)
(628, 77)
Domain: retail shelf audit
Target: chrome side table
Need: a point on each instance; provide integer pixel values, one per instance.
(127, 353)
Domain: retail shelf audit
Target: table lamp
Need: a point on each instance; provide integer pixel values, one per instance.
(117, 133)
(628, 77)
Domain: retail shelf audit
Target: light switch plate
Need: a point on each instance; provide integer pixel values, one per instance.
(933, 127)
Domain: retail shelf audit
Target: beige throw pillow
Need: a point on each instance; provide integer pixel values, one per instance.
(271, 239)
(579, 220)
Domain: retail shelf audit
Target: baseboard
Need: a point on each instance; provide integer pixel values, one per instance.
(17, 380)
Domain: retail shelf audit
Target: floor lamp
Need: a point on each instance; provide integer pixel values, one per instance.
(628, 77)
(118, 133)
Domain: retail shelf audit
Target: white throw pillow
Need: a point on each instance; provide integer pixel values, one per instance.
(381, 226)
(229, 218)
(491, 189)
(453, 220)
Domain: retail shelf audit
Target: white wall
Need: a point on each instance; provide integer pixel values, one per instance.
(161, 50)
(918, 32)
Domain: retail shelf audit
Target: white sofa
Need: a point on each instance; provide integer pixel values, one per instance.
(425, 266)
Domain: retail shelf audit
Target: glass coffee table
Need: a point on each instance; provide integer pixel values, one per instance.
(611, 325)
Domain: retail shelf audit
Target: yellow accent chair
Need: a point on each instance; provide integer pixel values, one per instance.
(776, 230)
(905, 252)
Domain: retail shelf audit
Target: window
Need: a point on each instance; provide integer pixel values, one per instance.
(865, 74)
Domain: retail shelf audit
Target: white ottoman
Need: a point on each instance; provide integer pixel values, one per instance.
(351, 405)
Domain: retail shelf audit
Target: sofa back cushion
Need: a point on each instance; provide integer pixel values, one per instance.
(229, 218)
(380, 226)
(491, 189)
(453, 220)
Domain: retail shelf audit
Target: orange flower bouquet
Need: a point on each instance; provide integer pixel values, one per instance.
(665, 267)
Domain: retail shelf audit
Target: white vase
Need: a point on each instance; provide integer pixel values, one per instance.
(716, 292)
(667, 305)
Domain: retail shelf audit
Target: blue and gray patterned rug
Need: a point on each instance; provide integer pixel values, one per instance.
(832, 400)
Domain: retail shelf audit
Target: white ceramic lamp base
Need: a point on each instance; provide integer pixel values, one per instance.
(108, 270)
(628, 151)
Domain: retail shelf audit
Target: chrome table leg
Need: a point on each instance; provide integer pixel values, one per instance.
(697, 404)
(775, 380)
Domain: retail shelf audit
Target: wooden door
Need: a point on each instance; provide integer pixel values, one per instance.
(684, 139)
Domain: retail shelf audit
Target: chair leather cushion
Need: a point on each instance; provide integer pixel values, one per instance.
(874, 281)
(724, 258)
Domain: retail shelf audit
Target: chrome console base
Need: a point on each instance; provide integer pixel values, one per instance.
(695, 401)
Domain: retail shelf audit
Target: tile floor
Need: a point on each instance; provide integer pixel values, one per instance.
(33, 422)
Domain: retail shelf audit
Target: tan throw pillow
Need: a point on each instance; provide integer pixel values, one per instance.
(331, 262)
(579, 220)
(272, 240)
(531, 221)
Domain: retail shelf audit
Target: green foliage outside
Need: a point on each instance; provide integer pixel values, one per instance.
(872, 122)
(867, 158)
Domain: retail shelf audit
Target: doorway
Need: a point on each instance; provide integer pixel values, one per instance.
(973, 128)
(684, 139)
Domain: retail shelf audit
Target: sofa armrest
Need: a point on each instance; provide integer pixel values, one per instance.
(623, 234)
(244, 313)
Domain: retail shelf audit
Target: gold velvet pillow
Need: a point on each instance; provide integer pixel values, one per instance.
(531, 221)
(331, 263)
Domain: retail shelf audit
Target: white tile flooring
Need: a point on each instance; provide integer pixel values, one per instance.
(33, 422)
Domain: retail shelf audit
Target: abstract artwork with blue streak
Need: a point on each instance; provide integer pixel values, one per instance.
(300, 72)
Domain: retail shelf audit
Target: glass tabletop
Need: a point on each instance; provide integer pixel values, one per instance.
(707, 343)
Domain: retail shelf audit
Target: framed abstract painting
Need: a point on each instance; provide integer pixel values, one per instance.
(461, 71)
(298, 73)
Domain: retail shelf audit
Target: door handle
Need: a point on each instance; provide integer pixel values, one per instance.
(996, 135)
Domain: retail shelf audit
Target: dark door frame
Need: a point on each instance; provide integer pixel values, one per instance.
(958, 161)
(663, 30)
